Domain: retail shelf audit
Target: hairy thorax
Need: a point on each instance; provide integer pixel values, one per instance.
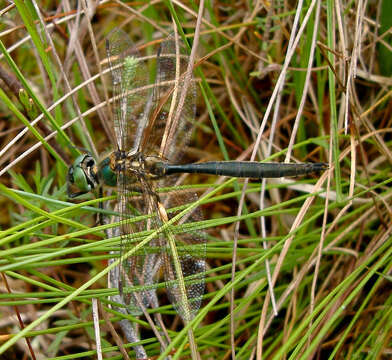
(133, 165)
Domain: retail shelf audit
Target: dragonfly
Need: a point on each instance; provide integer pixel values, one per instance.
(152, 125)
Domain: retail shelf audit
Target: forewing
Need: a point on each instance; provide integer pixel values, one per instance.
(139, 272)
(129, 86)
(171, 121)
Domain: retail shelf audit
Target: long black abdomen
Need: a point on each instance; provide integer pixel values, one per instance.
(247, 169)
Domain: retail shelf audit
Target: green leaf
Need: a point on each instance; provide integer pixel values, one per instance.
(385, 54)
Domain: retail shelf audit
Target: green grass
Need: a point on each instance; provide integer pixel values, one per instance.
(327, 238)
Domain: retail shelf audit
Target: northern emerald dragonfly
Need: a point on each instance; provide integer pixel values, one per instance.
(152, 128)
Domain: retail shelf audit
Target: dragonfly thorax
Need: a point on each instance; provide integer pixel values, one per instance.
(131, 165)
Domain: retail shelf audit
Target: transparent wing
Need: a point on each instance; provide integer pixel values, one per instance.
(191, 250)
(173, 123)
(138, 272)
(130, 89)
(170, 123)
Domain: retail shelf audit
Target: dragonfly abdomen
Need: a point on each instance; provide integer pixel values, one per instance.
(248, 169)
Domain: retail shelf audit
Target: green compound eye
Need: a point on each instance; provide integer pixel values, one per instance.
(82, 176)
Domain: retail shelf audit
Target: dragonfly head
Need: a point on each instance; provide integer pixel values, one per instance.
(82, 176)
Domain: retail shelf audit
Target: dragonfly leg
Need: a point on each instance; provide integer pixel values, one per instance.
(139, 189)
(100, 205)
